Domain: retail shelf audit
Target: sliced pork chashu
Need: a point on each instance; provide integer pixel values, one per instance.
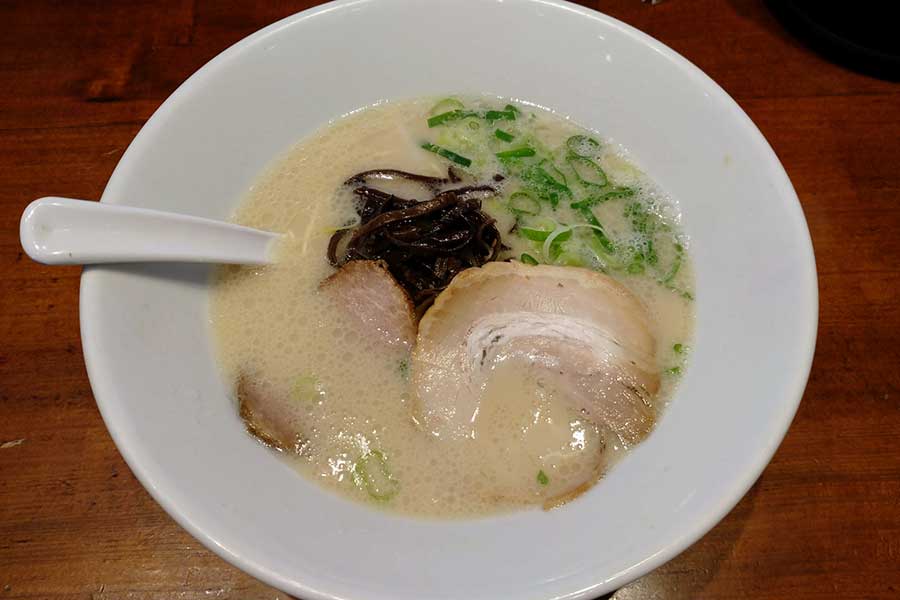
(581, 329)
(370, 295)
(270, 416)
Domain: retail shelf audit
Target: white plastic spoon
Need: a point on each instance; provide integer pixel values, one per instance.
(63, 231)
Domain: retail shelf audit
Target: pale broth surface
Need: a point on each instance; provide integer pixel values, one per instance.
(351, 394)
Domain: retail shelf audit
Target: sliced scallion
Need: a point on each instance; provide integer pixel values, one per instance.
(636, 267)
(307, 388)
(528, 259)
(556, 249)
(535, 235)
(503, 135)
(587, 171)
(599, 232)
(448, 154)
(583, 146)
(451, 115)
(642, 220)
(542, 478)
(683, 293)
(650, 252)
(553, 243)
(523, 203)
(446, 105)
(676, 265)
(516, 153)
(508, 114)
(373, 474)
(554, 172)
(537, 179)
(537, 229)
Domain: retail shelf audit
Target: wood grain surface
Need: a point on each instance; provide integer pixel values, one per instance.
(77, 81)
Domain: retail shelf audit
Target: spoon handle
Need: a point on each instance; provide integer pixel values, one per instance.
(63, 231)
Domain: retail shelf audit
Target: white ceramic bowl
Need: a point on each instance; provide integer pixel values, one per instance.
(148, 348)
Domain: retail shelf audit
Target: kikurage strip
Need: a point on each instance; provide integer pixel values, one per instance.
(423, 243)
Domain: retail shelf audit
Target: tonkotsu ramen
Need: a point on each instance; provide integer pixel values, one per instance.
(478, 306)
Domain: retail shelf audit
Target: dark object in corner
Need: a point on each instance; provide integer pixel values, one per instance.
(862, 36)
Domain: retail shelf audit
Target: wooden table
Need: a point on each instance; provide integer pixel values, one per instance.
(79, 79)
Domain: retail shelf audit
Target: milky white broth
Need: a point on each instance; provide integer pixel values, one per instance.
(351, 394)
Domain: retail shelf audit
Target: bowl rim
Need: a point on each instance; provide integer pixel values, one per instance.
(105, 394)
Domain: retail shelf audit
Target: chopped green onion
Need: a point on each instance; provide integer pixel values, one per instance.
(676, 265)
(640, 217)
(512, 109)
(554, 172)
(446, 105)
(537, 229)
(642, 249)
(535, 235)
(586, 203)
(583, 146)
(614, 193)
(307, 388)
(555, 250)
(599, 232)
(503, 135)
(448, 154)
(377, 482)
(683, 293)
(635, 268)
(528, 259)
(650, 253)
(508, 114)
(452, 115)
(587, 171)
(403, 367)
(553, 243)
(516, 153)
(681, 351)
(523, 203)
(542, 478)
(543, 184)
